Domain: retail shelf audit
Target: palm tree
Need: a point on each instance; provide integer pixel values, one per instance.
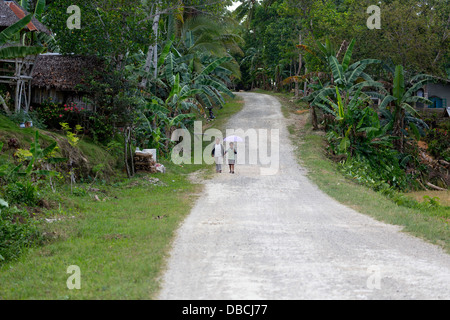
(201, 34)
(253, 58)
(246, 10)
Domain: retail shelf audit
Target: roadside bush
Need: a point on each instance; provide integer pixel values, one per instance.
(22, 193)
(439, 144)
(362, 173)
(18, 231)
(377, 174)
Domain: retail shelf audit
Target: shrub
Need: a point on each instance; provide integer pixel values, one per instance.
(377, 178)
(22, 193)
(52, 114)
(100, 127)
(18, 231)
(438, 143)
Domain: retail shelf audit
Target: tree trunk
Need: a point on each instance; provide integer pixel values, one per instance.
(305, 86)
(127, 167)
(300, 65)
(398, 128)
(314, 121)
(5, 107)
(152, 54)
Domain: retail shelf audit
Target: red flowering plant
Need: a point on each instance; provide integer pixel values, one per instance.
(52, 113)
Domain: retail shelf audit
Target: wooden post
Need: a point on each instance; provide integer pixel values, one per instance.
(131, 152)
(127, 167)
(17, 95)
(21, 81)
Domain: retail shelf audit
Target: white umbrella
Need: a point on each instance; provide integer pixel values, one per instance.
(233, 139)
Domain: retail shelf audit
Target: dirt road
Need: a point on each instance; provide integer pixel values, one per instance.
(253, 236)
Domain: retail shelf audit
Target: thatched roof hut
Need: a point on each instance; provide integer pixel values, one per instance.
(64, 72)
(58, 77)
(11, 12)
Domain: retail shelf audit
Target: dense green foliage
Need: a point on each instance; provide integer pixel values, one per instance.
(413, 34)
(360, 83)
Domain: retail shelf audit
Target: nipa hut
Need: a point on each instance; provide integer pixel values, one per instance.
(17, 72)
(58, 78)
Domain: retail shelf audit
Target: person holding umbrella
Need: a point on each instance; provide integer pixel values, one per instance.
(231, 151)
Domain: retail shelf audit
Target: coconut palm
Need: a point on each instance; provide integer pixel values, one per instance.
(246, 11)
(200, 35)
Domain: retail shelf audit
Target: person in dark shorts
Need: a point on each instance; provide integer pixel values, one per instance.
(231, 152)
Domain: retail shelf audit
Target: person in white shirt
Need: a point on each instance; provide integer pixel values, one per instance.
(218, 153)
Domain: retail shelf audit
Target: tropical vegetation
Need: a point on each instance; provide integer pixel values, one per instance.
(165, 64)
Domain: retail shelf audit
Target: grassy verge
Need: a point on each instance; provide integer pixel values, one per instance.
(118, 235)
(432, 226)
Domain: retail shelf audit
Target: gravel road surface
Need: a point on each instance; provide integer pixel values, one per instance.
(277, 236)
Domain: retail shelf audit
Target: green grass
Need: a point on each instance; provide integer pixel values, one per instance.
(121, 244)
(25, 136)
(432, 225)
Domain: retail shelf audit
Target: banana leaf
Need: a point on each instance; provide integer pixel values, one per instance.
(9, 32)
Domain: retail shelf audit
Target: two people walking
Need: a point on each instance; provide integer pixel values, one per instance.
(219, 153)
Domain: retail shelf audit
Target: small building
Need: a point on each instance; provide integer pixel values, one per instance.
(59, 78)
(16, 73)
(438, 93)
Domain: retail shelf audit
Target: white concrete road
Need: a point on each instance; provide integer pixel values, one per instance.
(279, 237)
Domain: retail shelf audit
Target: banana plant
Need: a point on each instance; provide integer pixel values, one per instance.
(402, 100)
(358, 129)
(348, 78)
(208, 83)
(9, 49)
